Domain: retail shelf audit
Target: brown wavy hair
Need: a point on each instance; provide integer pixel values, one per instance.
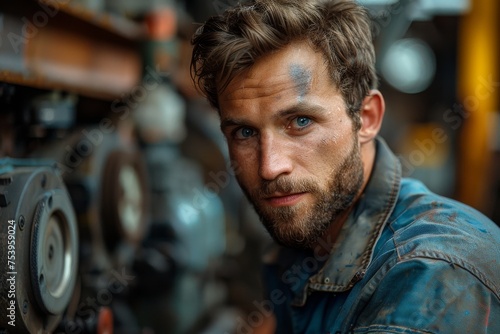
(231, 42)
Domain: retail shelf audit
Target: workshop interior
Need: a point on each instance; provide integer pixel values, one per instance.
(119, 208)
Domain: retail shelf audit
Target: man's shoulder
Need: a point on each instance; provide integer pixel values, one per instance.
(416, 201)
(420, 212)
(426, 225)
(416, 205)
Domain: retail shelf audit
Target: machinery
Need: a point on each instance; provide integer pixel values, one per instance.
(39, 241)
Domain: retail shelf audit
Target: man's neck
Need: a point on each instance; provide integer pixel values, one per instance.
(367, 152)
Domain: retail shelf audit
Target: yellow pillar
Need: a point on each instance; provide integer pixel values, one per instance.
(478, 92)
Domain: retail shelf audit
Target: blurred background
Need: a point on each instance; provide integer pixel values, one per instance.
(115, 183)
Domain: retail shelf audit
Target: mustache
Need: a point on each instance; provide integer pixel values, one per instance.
(283, 184)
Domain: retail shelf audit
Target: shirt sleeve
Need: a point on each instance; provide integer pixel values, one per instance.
(428, 296)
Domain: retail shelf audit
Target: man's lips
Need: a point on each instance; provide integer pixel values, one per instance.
(280, 199)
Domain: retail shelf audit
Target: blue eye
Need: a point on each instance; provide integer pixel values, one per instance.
(243, 133)
(302, 121)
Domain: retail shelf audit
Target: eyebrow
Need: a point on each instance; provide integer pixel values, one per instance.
(297, 109)
(228, 122)
(300, 108)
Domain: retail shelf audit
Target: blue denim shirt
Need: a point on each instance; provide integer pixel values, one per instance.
(406, 261)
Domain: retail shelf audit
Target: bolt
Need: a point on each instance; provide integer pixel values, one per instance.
(21, 222)
(44, 180)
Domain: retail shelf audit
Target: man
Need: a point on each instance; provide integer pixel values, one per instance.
(362, 249)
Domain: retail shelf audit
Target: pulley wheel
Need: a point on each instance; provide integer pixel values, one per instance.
(54, 254)
(124, 198)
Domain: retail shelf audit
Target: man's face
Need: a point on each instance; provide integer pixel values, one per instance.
(289, 134)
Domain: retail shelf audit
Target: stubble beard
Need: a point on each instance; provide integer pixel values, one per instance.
(301, 225)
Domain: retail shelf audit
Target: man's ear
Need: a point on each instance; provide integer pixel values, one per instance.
(372, 113)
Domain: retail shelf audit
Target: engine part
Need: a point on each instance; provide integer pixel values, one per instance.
(39, 242)
(187, 239)
(160, 117)
(123, 198)
(107, 182)
(53, 111)
(181, 201)
(100, 323)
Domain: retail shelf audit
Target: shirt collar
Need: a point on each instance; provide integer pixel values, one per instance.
(352, 252)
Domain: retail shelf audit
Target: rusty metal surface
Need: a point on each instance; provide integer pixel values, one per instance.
(115, 24)
(60, 47)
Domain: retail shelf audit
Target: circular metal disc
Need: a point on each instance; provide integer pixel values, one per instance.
(54, 253)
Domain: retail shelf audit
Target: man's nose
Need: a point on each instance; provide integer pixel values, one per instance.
(275, 158)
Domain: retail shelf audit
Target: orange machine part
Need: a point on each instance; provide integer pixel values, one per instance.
(478, 73)
(105, 321)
